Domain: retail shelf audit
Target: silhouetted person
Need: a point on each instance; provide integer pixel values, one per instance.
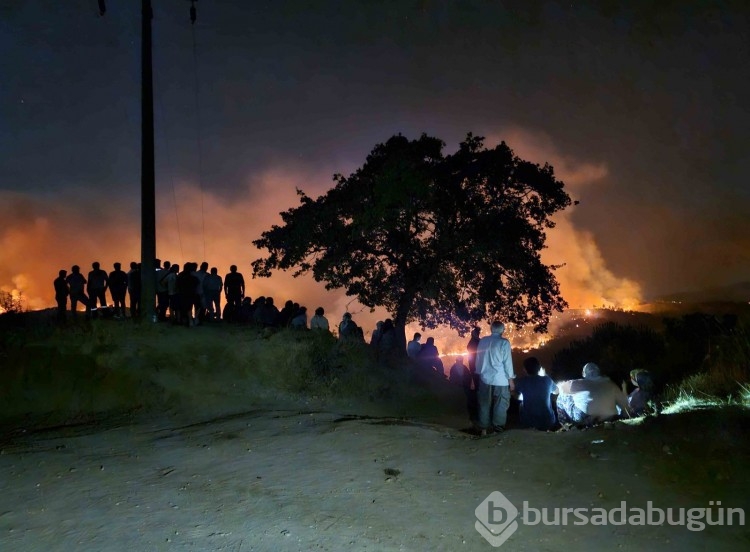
(174, 297)
(187, 283)
(200, 298)
(269, 314)
(234, 287)
(286, 314)
(61, 295)
(349, 331)
(258, 306)
(319, 322)
(162, 290)
(245, 314)
(76, 285)
(459, 373)
(212, 287)
(471, 349)
(535, 395)
(387, 341)
(118, 289)
(97, 286)
(299, 321)
(429, 358)
(134, 289)
(414, 346)
(377, 333)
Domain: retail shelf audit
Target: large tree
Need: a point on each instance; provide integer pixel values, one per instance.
(433, 239)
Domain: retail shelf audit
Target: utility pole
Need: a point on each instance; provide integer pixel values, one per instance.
(148, 174)
(148, 164)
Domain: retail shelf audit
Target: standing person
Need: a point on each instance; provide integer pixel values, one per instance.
(97, 286)
(162, 292)
(134, 289)
(414, 346)
(387, 341)
(212, 287)
(234, 288)
(200, 298)
(535, 394)
(187, 283)
(471, 349)
(319, 322)
(377, 334)
(118, 288)
(495, 369)
(76, 285)
(174, 298)
(61, 295)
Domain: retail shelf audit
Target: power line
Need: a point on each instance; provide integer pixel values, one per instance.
(193, 17)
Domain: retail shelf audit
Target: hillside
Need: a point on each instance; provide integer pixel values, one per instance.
(124, 437)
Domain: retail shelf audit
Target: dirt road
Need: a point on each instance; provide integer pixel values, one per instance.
(291, 480)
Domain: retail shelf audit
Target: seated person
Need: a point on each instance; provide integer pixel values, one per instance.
(429, 357)
(535, 395)
(459, 373)
(644, 389)
(591, 400)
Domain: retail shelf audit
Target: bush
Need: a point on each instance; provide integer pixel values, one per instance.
(725, 373)
(616, 349)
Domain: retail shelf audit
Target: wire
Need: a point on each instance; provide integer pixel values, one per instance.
(198, 127)
(172, 178)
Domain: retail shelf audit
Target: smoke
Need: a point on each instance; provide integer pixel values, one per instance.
(585, 280)
(43, 235)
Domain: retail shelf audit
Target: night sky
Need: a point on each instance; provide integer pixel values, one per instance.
(641, 107)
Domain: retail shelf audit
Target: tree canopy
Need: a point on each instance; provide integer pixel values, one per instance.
(433, 238)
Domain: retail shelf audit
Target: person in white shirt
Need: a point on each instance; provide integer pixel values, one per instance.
(495, 369)
(319, 322)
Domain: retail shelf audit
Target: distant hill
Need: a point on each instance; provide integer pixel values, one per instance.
(578, 324)
(734, 293)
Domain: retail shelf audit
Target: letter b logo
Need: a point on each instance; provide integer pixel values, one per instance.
(496, 518)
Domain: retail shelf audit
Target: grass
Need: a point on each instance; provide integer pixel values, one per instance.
(88, 369)
(104, 367)
(725, 382)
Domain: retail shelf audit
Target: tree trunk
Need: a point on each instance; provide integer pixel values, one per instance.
(399, 322)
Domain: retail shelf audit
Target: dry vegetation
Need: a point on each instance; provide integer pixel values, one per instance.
(85, 371)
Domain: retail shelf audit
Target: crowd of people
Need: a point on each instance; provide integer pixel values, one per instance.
(188, 297)
(193, 296)
(490, 382)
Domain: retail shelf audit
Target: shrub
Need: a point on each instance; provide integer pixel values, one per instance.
(616, 349)
(725, 373)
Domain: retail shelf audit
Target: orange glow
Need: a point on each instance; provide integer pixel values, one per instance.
(41, 236)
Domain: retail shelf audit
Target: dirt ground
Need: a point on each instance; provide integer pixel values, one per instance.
(296, 479)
